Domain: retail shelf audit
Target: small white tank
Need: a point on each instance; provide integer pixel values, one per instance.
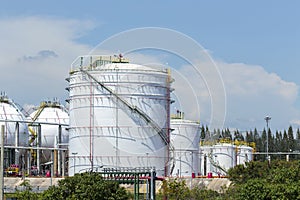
(217, 159)
(244, 154)
(185, 138)
(49, 112)
(15, 132)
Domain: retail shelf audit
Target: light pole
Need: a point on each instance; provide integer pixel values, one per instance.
(74, 154)
(267, 118)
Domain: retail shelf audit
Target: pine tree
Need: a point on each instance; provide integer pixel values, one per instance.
(298, 144)
(202, 133)
(284, 144)
(291, 142)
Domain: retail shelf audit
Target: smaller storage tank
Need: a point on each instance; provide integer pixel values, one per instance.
(50, 114)
(244, 154)
(218, 158)
(185, 138)
(15, 131)
(48, 132)
(205, 157)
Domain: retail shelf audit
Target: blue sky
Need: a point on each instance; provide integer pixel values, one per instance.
(256, 45)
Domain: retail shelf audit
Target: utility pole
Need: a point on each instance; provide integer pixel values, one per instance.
(267, 118)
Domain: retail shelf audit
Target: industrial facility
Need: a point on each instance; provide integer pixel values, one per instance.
(37, 143)
(118, 118)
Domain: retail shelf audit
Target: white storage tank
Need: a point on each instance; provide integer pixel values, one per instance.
(225, 155)
(206, 157)
(15, 133)
(244, 154)
(218, 158)
(50, 114)
(119, 115)
(185, 138)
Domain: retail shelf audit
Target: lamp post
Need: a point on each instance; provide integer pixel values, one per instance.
(74, 154)
(267, 118)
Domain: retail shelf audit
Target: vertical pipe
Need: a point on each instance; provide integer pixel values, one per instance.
(147, 187)
(63, 163)
(152, 185)
(2, 162)
(135, 192)
(168, 102)
(59, 156)
(55, 152)
(38, 149)
(17, 143)
(52, 166)
(28, 161)
(204, 165)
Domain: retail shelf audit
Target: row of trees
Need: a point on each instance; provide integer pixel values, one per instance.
(255, 180)
(280, 141)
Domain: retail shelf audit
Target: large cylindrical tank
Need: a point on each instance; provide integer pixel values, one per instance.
(119, 116)
(15, 130)
(185, 138)
(244, 154)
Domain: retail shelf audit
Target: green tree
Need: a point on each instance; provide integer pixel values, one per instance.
(26, 193)
(277, 144)
(291, 142)
(249, 137)
(204, 194)
(258, 180)
(174, 190)
(254, 189)
(202, 133)
(227, 134)
(251, 170)
(285, 142)
(298, 143)
(85, 186)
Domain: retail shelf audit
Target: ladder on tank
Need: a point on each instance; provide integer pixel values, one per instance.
(134, 109)
(215, 164)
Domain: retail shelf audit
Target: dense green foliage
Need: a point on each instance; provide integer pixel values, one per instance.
(85, 186)
(254, 181)
(81, 186)
(178, 190)
(261, 180)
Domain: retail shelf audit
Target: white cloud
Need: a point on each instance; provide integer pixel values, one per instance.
(249, 80)
(36, 54)
(251, 93)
